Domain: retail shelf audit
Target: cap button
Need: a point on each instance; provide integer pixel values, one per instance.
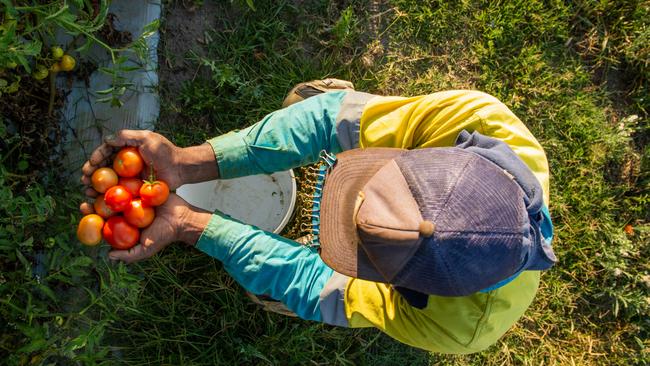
(427, 228)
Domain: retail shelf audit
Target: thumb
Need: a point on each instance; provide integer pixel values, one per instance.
(127, 138)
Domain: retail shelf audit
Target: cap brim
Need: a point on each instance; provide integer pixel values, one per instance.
(339, 240)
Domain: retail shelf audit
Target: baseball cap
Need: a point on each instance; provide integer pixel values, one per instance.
(440, 221)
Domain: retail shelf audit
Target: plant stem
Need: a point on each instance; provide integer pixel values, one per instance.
(50, 106)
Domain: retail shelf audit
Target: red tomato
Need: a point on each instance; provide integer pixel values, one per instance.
(132, 185)
(89, 231)
(154, 193)
(128, 162)
(101, 208)
(119, 234)
(138, 214)
(103, 179)
(117, 198)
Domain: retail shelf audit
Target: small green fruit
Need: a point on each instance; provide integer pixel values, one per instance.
(40, 73)
(57, 52)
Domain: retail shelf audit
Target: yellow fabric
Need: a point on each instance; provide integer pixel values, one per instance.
(448, 324)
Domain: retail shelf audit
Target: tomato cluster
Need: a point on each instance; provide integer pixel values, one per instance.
(126, 203)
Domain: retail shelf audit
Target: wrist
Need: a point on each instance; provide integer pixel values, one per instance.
(194, 221)
(198, 164)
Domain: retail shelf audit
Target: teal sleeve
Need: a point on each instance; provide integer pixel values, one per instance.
(285, 139)
(265, 263)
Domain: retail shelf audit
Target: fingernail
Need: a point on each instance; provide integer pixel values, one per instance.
(109, 137)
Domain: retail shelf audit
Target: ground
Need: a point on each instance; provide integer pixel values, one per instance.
(576, 74)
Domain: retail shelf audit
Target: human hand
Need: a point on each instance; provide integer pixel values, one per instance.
(175, 221)
(154, 148)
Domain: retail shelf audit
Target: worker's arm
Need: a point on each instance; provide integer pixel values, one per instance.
(292, 136)
(265, 263)
(285, 139)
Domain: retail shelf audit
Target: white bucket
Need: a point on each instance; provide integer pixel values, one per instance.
(265, 201)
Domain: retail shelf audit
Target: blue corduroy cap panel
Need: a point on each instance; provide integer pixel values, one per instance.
(479, 215)
(477, 244)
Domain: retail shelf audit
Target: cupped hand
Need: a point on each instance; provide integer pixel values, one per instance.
(176, 221)
(154, 148)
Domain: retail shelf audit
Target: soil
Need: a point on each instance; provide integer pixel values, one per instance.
(183, 34)
(112, 36)
(26, 115)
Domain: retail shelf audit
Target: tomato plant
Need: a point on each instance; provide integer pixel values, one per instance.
(117, 198)
(103, 179)
(132, 185)
(139, 214)
(128, 162)
(89, 230)
(27, 27)
(120, 234)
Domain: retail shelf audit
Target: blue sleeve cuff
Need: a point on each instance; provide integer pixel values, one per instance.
(215, 241)
(231, 152)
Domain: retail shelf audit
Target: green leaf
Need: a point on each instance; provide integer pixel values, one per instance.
(47, 291)
(33, 346)
(77, 343)
(22, 165)
(105, 91)
(115, 102)
(81, 262)
(32, 48)
(23, 260)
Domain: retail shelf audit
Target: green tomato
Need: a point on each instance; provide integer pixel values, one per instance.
(40, 73)
(57, 52)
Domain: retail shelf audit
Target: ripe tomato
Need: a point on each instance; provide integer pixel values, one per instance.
(101, 208)
(117, 198)
(139, 214)
(119, 234)
(103, 179)
(154, 193)
(55, 68)
(128, 162)
(132, 185)
(67, 63)
(89, 231)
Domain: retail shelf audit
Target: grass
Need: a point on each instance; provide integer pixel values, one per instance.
(593, 307)
(575, 73)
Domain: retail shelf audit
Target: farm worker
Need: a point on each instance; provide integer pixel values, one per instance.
(432, 224)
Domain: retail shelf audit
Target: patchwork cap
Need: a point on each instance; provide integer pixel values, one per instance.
(439, 221)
